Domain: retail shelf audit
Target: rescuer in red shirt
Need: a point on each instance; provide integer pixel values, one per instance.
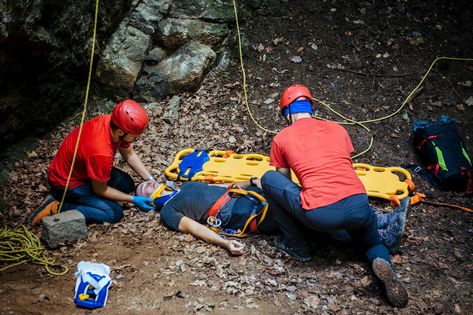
(96, 186)
(331, 196)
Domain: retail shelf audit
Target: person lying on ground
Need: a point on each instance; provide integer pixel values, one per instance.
(95, 185)
(331, 196)
(187, 210)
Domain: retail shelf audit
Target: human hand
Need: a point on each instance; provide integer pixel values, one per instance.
(235, 248)
(255, 182)
(143, 203)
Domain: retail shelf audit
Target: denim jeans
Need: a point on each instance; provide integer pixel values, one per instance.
(94, 208)
(352, 214)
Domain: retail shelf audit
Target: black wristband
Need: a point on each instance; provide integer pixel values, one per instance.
(252, 183)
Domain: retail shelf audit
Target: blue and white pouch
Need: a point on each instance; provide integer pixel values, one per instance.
(93, 281)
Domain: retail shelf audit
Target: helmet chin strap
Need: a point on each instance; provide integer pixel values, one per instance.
(122, 137)
(288, 120)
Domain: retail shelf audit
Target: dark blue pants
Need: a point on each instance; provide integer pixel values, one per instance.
(94, 208)
(352, 214)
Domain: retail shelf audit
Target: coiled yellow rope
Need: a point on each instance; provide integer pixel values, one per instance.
(20, 246)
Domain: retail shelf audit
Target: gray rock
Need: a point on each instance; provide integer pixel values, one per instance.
(171, 112)
(62, 227)
(222, 63)
(155, 56)
(175, 32)
(146, 15)
(121, 60)
(234, 47)
(183, 71)
(210, 10)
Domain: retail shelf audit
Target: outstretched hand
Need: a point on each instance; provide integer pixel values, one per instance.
(143, 203)
(235, 248)
(257, 182)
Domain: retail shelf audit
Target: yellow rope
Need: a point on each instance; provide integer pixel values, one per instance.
(407, 99)
(347, 121)
(21, 246)
(84, 111)
(244, 75)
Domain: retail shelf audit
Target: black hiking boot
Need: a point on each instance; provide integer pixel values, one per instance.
(395, 291)
(301, 253)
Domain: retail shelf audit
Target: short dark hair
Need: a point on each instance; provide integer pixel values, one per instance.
(113, 126)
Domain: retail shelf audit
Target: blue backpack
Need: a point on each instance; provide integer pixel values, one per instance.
(443, 154)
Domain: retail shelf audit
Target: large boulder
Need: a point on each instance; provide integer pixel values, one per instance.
(209, 10)
(121, 61)
(182, 71)
(124, 55)
(173, 33)
(45, 53)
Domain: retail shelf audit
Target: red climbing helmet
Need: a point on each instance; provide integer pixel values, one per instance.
(130, 117)
(292, 93)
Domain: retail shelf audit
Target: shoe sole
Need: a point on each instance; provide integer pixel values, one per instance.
(49, 199)
(395, 291)
(282, 249)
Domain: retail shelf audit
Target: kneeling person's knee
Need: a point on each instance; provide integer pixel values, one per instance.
(269, 176)
(114, 214)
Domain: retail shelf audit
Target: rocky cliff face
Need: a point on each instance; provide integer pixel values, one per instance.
(147, 49)
(44, 49)
(165, 47)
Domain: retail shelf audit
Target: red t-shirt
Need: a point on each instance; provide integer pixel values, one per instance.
(94, 158)
(319, 154)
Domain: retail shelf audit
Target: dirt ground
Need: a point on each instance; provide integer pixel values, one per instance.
(361, 58)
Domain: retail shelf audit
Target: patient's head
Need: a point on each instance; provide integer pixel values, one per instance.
(147, 188)
(159, 192)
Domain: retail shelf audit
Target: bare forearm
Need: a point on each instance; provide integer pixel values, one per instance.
(137, 165)
(201, 232)
(113, 194)
(226, 185)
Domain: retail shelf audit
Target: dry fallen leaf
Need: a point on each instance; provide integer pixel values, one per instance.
(397, 259)
(42, 188)
(277, 40)
(32, 154)
(467, 83)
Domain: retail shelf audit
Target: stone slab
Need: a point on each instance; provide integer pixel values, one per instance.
(65, 226)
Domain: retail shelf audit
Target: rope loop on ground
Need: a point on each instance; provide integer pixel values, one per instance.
(19, 246)
(346, 120)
